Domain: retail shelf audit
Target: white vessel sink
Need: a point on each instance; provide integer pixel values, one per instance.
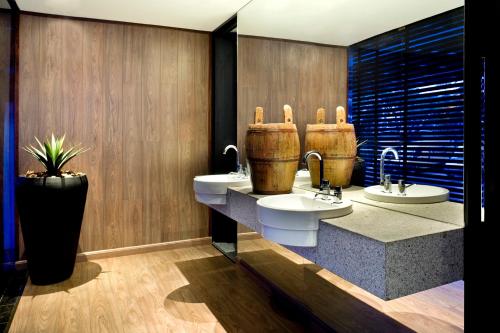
(293, 219)
(415, 194)
(212, 189)
(303, 176)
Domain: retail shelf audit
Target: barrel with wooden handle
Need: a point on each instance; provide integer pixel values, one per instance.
(273, 153)
(336, 144)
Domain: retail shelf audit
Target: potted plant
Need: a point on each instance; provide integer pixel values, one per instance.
(358, 173)
(51, 205)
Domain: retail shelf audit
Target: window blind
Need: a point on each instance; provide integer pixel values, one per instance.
(406, 92)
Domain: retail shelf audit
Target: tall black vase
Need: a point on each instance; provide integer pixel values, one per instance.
(51, 212)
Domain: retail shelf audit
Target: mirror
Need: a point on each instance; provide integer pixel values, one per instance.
(396, 66)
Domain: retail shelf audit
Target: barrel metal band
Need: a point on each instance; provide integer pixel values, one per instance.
(266, 130)
(273, 159)
(330, 130)
(338, 157)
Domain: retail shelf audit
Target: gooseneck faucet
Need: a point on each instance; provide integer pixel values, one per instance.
(324, 184)
(382, 160)
(238, 165)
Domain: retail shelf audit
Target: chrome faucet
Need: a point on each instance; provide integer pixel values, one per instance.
(337, 192)
(382, 159)
(324, 184)
(238, 165)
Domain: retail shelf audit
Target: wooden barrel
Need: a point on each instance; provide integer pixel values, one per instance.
(273, 153)
(337, 144)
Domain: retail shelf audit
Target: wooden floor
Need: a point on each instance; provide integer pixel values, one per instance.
(195, 289)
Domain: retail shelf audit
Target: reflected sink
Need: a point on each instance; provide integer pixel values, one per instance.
(415, 194)
(303, 176)
(293, 219)
(212, 189)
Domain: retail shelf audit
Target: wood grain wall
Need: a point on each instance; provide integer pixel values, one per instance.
(139, 97)
(274, 72)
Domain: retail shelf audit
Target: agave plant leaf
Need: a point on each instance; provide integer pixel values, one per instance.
(62, 159)
(42, 157)
(51, 146)
(61, 156)
(35, 153)
(40, 144)
(38, 152)
(57, 149)
(60, 143)
(48, 149)
(70, 156)
(53, 142)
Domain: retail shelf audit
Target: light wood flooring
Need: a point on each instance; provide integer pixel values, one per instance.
(196, 289)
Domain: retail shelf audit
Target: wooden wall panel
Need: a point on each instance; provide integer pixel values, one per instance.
(274, 72)
(138, 96)
(151, 92)
(113, 135)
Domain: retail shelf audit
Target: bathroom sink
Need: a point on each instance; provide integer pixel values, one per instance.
(303, 176)
(293, 219)
(415, 194)
(212, 189)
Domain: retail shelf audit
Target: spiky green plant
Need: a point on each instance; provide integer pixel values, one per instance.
(52, 155)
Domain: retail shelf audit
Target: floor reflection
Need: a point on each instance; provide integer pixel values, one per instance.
(334, 306)
(346, 307)
(231, 296)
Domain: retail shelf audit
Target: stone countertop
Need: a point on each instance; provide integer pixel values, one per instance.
(386, 225)
(447, 212)
(385, 222)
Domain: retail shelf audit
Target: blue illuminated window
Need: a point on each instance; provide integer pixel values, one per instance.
(406, 91)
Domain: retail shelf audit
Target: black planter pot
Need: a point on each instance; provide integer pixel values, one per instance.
(51, 212)
(358, 173)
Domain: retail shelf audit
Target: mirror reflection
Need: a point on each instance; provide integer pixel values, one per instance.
(395, 67)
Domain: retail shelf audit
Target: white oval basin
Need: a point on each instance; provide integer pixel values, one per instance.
(415, 194)
(212, 189)
(293, 219)
(303, 176)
